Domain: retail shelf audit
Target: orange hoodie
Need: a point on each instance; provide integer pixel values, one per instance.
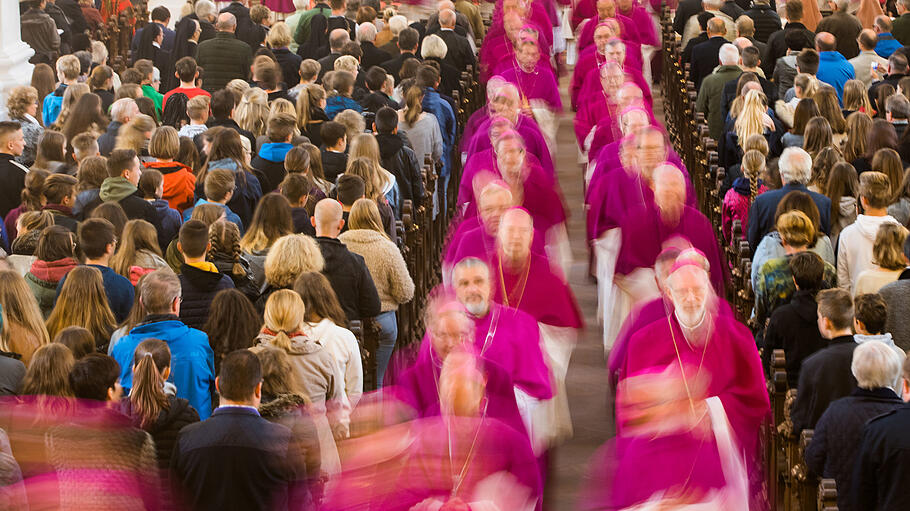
(179, 183)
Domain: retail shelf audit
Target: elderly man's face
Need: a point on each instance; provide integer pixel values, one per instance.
(450, 332)
(510, 157)
(602, 34)
(491, 207)
(613, 81)
(689, 292)
(515, 235)
(669, 193)
(472, 287)
(616, 52)
(650, 151)
(606, 9)
(528, 55)
(633, 121)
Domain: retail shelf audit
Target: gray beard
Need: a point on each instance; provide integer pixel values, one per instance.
(477, 309)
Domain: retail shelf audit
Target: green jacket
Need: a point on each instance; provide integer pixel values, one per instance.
(708, 101)
(150, 92)
(901, 29)
(224, 58)
(302, 35)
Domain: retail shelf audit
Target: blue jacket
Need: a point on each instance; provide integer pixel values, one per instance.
(887, 44)
(229, 215)
(834, 69)
(53, 102)
(192, 359)
(169, 222)
(119, 290)
(761, 214)
(337, 104)
(247, 189)
(436, 105)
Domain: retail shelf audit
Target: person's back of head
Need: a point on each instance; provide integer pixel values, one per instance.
(794, 11)
(386, 121)
(349, 189)
(716, 27)
(796, 229)
(751, 57)
(97, 238)
(835, 308)
(193, 239)
(807, 61)
(882, 24)
(309, 70)
(223, 103)
(408, 40)
(825, 41)
(332, 133)
(68, 68)
(427, 76)
(794, 40)
(897, 63)
(375, 78)
(808, 270)
(867, 40)
(226, 22)
(59, 187)
(728, 55)
(366, 32)
(337, 39)
(186, 69)
(197, 108)
(295, 187)
(240, 379)
(159, 292)
(874, 190)
(280, 127)
(95, 376)
(84, 145)
(876, 365)
(871, 314)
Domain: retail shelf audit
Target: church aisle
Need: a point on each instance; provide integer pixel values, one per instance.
(587, 376)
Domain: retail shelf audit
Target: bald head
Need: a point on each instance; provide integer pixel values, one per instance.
(669, 190)
(741, 43)
(226, 22)
(516, 232)
(447, 18)
(338, 38)
(867, 39)
(716, 27)
(825, 41)
(327, 219)
(495, 199)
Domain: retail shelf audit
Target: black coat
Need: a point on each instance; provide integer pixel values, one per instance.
(311, 130)
(794, 328)
(845, 28)
(400, 160)
(224, 58)
(766, 20)
(348, 274)
(269, 173)
(881, 474)
(449, 78)
(459, 53)
(824, 377)
(393, 65)
(373, 101)
(198, 289)
(729, 94)
(705, 59)
(685, 10)
(327, 64)
(290, 66)
(166, 427)
(695, 41)
(777, 45)
(235, 444)
(761, 214)
(12, 175)
(372, 56)
(838, 434)
(232, 124)
(135, 207)
(333, 164)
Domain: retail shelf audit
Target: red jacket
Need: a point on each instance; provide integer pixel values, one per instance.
(179, 183)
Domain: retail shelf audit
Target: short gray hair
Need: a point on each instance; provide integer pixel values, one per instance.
(434, 46)
(471, 262)
(876, 365)
(158, 290)
(728, 55)
(204, 9)
(841, 5)
(795, 166)
(226, 21)
(366, 32)
(121, 108)
(447, 17)
(710, 5)
(99, 52)
(397, 23)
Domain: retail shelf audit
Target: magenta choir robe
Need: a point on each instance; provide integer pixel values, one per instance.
(480, 116)
(617, 191)
(538, 16)
(734, 374)
(608, 132)
(417, 387)
(644, 23)
(496, 48)
(588, 69)
(538, 290)
(529, 130)
(510, 339)
(428, 470)
(607, 159)
(595, 107)
(628, 32)
(477, 242)
(540, 84)
(458, 228)
(644, 233)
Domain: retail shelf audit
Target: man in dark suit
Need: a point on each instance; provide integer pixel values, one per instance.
(777, 45)
(162, 17)
(795, 170)
(372, 56)
(705, 55)
(241, 10)
(337, 39)
(408, 40)
(686, 9)
(459, 52)
(236, 445)
(749, 63)
(462, 25)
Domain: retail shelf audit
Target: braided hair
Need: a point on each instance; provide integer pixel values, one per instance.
(753, 165)
(224, 236)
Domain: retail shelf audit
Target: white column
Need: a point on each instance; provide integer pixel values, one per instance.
(14, 54)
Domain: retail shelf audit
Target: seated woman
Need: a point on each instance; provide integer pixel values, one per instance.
(888, 257)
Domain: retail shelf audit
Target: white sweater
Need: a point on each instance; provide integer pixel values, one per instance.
(344, 347)
(854, 248)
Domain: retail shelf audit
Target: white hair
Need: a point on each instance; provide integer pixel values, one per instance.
(447, 17)
(728, 55)
(433, 46)
(366, 32)
(397, 23)
(875, 365)
(841, 5)
(99, 52)
(121, 109)
(204, 9)
(795, 166)
(301, 5)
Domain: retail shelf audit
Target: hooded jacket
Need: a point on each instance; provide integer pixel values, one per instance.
(199, 288)
(192, 359)
(269, 165)
(346, 350)
(402, 162)
(43, 278)
(794, 328)
(118, 189)
(247, 190)
(338, 103)
(169, 222)
(179, 183)
(854, 250)
(884, 338)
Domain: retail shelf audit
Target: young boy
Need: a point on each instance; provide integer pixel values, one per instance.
(197, 109)
(870, 320)
(296, 189)
(219, 188)
(269, 163)
(334, 141)
(84, 145)
(151, 184)
(149, 84)
(200, 280)
(187, 72)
